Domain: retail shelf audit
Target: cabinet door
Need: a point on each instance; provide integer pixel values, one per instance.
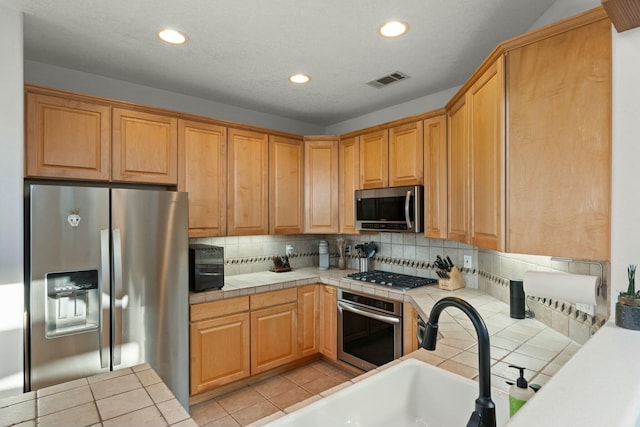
(66, 138)
(410, 326)
(486, 140)
(405, 155)
(286, 181)
(248, 188)
(349, 183)
(274, 337)
(458, 173)
(559, 144)
(219, 351)
(321, 184)
(328, 341)
(374, 159)
(202, 161)
(435, 189)
(145, 147)
(308, 315)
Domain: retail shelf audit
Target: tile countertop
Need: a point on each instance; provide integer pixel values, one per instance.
(525, 342)
(600, 387)
(127, 397)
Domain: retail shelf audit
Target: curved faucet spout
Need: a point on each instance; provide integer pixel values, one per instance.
(485, 413)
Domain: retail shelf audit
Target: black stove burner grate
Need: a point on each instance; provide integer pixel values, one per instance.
(396, 280)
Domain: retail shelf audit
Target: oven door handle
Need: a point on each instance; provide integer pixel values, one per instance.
(366, 313)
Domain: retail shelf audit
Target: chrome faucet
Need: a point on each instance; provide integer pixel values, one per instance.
(485, 412)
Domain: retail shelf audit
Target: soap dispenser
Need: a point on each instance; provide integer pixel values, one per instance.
(519, 393)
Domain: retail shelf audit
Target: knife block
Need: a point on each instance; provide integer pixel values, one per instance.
(455, 280)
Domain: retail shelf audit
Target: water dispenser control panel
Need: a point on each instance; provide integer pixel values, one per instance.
(73, 302)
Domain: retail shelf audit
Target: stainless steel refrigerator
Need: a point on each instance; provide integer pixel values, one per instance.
(106, 283)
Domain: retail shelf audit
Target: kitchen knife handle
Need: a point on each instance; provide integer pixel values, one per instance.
(105, 298)
(118, 293)
(407, 215)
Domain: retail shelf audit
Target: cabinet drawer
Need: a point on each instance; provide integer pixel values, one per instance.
(218, 308)
(269, 299)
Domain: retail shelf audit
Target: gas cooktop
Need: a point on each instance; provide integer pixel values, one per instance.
(395, 280)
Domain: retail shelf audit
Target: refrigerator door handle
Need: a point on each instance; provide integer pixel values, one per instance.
(105, 298)
(118, 293)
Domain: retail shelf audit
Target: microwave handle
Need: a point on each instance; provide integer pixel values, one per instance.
(407, 214)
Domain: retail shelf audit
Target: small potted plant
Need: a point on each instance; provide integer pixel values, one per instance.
(628, 305)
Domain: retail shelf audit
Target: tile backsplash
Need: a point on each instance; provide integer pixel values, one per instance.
(414, 254)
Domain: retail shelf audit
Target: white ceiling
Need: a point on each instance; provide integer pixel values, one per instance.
(240, 52)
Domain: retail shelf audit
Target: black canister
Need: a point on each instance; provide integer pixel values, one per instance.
(516, 300)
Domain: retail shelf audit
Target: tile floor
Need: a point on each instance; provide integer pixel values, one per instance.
(254, 402)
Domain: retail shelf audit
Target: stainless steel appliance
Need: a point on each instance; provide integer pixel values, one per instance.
(390, 209)
(369, 329)
(394, 280)
(206, 267)
(106, 283)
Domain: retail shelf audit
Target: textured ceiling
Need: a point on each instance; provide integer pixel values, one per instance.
(240, 52)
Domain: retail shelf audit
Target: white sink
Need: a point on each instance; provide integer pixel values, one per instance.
(410, 393)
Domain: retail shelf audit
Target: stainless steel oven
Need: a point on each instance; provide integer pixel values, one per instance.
(369, 329)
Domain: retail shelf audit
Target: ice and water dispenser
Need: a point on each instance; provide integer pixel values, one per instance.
(73, 302)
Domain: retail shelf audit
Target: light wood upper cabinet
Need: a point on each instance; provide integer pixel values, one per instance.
(559, 144)
(219, 343)
(328, 339)
(435, 165)
(349, 159)
(458, 172)
(67, 138)
(374, 159)
(144, 147)
(248, 185)
(308, 319)
(405, 154)
(286, 185)
(202, 172)
(321, 184)
(487, 144)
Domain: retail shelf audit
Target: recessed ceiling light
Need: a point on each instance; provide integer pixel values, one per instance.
(299, 78)
(172, 36)
(393, 29)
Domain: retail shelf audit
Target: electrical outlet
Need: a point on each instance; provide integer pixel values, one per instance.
(467, 261)
(347, 249)
(288, 250)
(585, 308)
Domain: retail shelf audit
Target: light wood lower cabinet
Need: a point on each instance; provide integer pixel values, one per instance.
(274, 329)
(328, 339)
(219, 343)
(410, 325)
(308, 319)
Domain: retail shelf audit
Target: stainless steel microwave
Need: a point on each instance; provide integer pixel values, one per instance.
(390, 209)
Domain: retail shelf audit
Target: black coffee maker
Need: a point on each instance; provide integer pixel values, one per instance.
(516, 299)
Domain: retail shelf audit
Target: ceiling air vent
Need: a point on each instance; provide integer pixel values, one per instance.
(388, 79)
